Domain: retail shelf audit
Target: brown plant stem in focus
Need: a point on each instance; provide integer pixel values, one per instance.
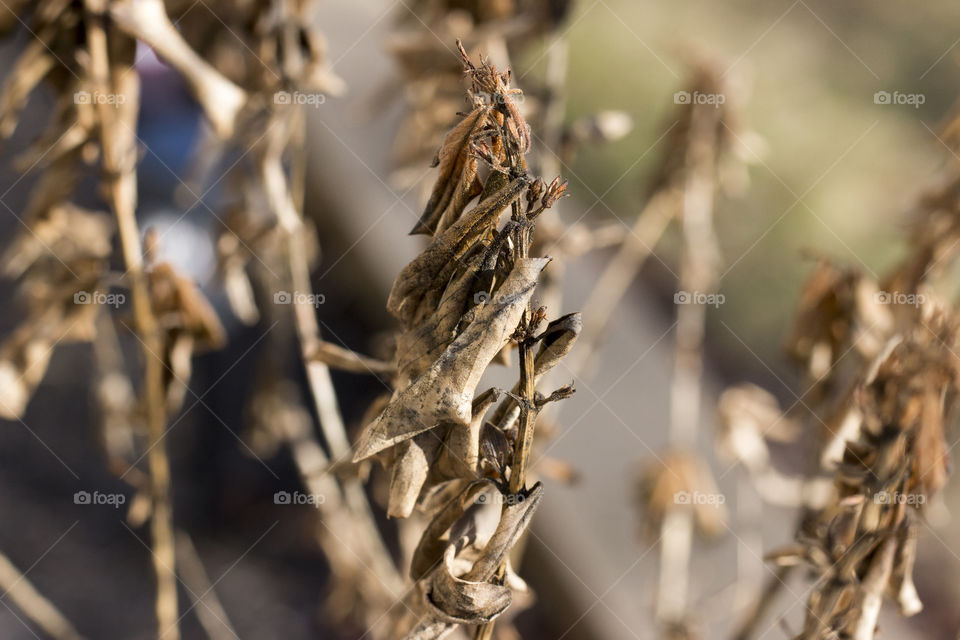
(528, 411)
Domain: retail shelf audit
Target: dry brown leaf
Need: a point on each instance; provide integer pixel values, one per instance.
(457, 179)
(444, 393)
(426, 271)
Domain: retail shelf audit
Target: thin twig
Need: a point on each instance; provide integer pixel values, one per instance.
(613, 283)
(318, 373)
(210, 612)
(762, 605)
(528, 408)
(346, 360)
(32, 603)
(118, 142)
(696, 277)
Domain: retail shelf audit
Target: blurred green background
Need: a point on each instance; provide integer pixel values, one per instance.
(833, 171)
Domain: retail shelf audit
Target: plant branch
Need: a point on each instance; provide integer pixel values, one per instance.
(118, 147)
(32, 603)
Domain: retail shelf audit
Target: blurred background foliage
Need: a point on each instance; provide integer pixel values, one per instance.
(834, 173)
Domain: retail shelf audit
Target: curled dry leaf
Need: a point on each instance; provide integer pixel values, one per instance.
(444, 392)
(180, 306)
(188, 322)
(436, 263)
(457, 182)
(838, 308)
(461, 588)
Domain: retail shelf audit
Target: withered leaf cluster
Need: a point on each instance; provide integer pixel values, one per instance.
(61, 255)
(881, 356)
(865, 543)
(461, 304)
(430, 77)
(233, 56)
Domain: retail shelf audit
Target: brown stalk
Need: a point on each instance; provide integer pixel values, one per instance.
(118, 144)
(210, 612)
(288, 204)
(698, 262)
(620, 272)
(528, 411)
(147, 20)
(37, 608)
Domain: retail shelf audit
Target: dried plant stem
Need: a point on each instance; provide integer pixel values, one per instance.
(521, 454)
(675, 545)
(528, 410)
(763, 603)
(749, 519)
(613, 283)
(344, 359)
(696, 276)
(118, 143)
(528, 416)
(32, 603)
(318, 373)
(210, 612)
(873, 587)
